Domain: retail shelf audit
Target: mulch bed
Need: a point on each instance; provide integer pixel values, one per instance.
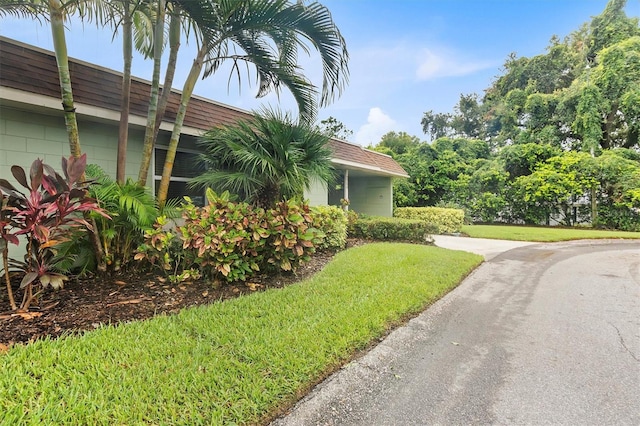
(85, 304)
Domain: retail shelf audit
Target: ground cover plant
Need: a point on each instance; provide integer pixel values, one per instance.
(228, 363)
(542, 234)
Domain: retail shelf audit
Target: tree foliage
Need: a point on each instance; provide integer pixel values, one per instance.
(334, 128)
(580, 94)
(554, 139)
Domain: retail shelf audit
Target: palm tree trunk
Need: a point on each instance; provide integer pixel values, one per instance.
(187, 90)
(147, 149)
(123, 132)
(174, 46)
(56, 14)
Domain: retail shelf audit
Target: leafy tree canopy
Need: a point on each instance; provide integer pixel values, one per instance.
(581, 94)
(334, 128)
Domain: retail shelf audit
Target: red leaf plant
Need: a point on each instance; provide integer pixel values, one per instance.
(47, 214)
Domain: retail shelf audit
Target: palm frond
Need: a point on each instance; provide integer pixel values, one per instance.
(269, 33)
(25, 9)
(268, 154)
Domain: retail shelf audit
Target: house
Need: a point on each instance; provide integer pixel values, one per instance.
(32, 126)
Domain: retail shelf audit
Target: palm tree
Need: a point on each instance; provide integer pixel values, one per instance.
(136, 18)
(269, 34)
(158, 41)
(134, 15)
(265, 159)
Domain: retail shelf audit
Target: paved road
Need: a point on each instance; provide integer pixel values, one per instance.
(545, 334)
(485, 247)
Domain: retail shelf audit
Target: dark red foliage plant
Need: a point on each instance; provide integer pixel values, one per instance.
(48, 213)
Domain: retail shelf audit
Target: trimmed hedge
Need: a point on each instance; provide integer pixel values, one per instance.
(444, 219)
(392, 229)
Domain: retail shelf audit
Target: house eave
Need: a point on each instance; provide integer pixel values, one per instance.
(350, 165)
(30, 101)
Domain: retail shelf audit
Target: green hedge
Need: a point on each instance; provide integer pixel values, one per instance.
(392, 229)
(444, 219)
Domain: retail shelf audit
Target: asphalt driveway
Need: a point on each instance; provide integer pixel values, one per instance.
(541, 334)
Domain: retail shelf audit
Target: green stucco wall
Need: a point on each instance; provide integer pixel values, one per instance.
(371, 195)
(25, 136)
(317, 195)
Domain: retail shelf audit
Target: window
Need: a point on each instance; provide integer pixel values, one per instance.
(185, 167)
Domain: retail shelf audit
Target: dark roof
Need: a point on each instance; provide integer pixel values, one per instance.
(31, 69)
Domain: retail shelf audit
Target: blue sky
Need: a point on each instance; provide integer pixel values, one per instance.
(407, 56)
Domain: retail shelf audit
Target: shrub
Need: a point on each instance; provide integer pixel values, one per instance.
(618, 217)
(393, 229)
(332, 221)
(352, 218)
(219, 240)
(231, 241)
(50, 213)
(445, 220)
(292, 238)
(133, 210)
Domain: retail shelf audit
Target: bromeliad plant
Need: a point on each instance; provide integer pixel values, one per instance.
(51, 210)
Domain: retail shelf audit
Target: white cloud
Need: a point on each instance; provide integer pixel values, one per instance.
(378, 124)
(434, 65)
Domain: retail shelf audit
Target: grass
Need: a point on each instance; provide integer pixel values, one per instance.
(235, 362)
(541, 234)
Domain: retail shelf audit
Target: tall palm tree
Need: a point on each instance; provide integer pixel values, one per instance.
(158, 41)
(136, 19)
(268, 34)
(265, 159)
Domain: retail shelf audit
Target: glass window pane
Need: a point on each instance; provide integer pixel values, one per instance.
(185, 164)
(180, 189)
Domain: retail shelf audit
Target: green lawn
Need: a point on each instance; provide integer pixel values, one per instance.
(234, 362)
(542, 234)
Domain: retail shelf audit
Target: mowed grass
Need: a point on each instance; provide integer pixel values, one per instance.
(542, 234)
(235, 362)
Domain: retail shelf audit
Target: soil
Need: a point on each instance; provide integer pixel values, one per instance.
(85, 304)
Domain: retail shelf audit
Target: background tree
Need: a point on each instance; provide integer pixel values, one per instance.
(396, 144)
(560, 132)
(334, 128)
(467, 122)
(436, 125)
